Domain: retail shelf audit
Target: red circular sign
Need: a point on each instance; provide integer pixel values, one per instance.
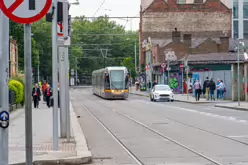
(181, 65)
(9, 12)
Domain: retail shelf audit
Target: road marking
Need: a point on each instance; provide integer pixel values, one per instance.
(199, 112)
(238, 136)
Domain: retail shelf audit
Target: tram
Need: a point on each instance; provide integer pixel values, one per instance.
(111, 82)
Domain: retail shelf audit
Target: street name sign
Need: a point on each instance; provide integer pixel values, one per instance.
(25, 11)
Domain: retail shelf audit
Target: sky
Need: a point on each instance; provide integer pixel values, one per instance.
(112, 8)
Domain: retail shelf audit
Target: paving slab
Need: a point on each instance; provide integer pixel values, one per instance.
(74, 151)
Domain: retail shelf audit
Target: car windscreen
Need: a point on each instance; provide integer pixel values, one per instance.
(162, 88)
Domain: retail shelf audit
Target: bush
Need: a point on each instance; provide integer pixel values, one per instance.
(21, 80)
(19, 90)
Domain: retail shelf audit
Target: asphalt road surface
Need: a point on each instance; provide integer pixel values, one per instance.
(137, 131)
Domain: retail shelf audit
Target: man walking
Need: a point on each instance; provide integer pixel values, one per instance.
(212, 87)
(206, 88)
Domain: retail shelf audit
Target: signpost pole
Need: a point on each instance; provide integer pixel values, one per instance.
(62, 95)
(168, 69)
(55, 77)
(28, 94)
(4, 89)
(182, 80)
(67, 97)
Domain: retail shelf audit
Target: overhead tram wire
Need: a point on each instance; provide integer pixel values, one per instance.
(99, 8)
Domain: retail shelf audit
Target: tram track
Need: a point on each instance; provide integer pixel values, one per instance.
(128, 151)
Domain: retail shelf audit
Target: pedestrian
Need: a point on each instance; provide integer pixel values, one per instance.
(44, 87)
(222, 89)
(36, 95)
(218, 89)
(197, 87)
(206, 88)
(212, 88)
(49, 93)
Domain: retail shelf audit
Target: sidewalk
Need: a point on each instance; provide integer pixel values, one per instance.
(243, 106)
(73, 152)
(178, 97)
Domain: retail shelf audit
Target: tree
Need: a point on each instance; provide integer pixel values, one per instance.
(95, 41)
(129, 64)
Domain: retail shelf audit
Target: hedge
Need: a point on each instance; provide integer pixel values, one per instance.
(19, 90)
(21, 80)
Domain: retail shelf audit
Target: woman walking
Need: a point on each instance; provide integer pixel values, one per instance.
(197, 87)
(36, 95)
(49, 93)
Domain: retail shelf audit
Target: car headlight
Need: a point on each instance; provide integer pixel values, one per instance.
(156, 94)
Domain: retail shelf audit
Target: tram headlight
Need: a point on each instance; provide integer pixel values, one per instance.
(112, 91)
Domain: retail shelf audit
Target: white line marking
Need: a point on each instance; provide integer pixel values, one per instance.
(238, 136)
(202, 113)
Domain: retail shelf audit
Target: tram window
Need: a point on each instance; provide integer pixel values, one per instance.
(107, 82)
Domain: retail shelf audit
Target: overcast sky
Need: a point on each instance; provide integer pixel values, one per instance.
(110, 7)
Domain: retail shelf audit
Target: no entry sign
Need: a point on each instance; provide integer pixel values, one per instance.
(25, 11)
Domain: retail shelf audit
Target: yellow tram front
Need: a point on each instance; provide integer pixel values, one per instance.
(116, 84)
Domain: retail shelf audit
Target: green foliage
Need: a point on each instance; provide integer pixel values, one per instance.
(92, 40)
(17, 78)
(21, 80)
(19, 90)
(129, 64)
(87, 34)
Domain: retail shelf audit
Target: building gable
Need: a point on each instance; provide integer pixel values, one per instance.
(157, 6)
(172, 5)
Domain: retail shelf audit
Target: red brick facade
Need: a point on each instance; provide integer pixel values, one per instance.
(201, 27)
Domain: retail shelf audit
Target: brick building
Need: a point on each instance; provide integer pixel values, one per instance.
(201, 27)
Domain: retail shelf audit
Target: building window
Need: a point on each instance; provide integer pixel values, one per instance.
(245, 7)
(245, 29)
(235, 9)
(235, 29)
(181, 1)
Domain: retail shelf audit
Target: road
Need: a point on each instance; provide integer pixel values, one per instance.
(137, 131)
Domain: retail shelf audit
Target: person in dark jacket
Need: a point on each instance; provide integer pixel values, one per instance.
(36, 95)
(48, 93)
(206, 89)
(212, 88)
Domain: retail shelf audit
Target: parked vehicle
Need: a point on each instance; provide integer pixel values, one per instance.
(162, 93)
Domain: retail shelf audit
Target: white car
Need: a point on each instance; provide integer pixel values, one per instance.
(162, 93)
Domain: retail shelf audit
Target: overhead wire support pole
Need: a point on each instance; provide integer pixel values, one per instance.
(4, 89)
(55, 77)
(67, 111)
(28, 93)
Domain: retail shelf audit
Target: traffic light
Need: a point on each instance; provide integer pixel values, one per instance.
(60, 12)
(49, 16)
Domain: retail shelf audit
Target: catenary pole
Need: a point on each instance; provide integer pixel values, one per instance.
(4, 89)
(28, 94)
(55, 77)
(67, 114)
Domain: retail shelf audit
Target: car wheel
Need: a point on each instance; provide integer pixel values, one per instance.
(172, 100)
